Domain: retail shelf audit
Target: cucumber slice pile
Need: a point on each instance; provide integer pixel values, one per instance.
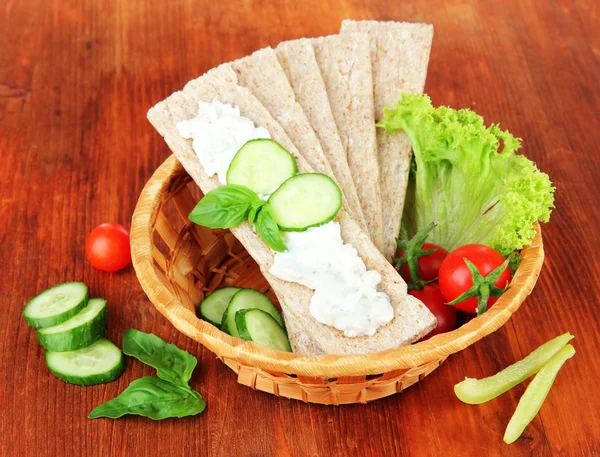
(98, 363)
(71, 327)
(261, 165)
(230, 307)
(213, 306)
(78, 332)
(260, 327)
(247, 299)
(56, 305)
(304, 201)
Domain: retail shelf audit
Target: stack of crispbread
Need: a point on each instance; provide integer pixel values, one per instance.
(320, 98)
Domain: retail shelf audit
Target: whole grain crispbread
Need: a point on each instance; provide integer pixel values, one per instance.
(411, 320)
(399, 56)
(345, 65)
(297, 58)
(262, 75)
(279, 99)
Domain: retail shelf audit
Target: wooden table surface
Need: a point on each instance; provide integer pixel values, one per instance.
(76, 80)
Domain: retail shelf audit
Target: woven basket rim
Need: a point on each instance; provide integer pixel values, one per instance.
(250, 354)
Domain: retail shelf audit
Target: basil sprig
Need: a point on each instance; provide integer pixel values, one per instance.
(154, 398)
(171, 363)
(167, 395)
(254, 209)
(230, 205)
(224, 207)
(268, 229)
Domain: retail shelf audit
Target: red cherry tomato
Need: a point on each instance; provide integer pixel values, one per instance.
(432, 297)
(428, 266)
(455, 277)
(107, 247)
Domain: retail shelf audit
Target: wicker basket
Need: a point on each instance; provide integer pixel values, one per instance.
(178, 263)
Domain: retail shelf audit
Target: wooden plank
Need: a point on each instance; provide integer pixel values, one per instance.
(76, 79)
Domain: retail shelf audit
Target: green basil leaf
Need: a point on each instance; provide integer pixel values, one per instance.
(224, 207)
(172, 364)
(268, 229)
(154, 398)
(256, 206)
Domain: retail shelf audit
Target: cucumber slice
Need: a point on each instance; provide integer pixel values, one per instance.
(99, 363)
(304, 201)
(261, 165)
(56, 305)
(246, 299)
(260, 327)
(213, 306)
(78, 332)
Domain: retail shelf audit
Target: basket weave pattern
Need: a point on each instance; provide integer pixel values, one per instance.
(340, 391)
(178, 263)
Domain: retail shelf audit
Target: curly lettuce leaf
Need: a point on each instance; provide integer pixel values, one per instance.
(467, 177)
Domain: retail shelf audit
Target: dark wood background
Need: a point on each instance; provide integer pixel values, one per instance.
(76, 80)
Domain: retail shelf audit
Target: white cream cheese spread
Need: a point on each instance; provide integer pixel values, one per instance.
(346, 295)
(218, 132)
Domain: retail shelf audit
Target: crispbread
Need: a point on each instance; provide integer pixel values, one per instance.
(299, 338)
(399, 54)
(278, 98)
(412, 320)
(297, 58)
(163, 119)
(345, 66)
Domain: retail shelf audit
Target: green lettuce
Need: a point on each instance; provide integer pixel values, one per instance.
(467, 177)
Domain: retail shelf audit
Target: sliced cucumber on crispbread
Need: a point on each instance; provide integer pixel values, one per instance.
(304, 201)
(261, 165)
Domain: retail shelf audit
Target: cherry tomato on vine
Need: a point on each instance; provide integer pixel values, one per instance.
(483, 283)
(107, 247)
(428, 265)
(432, 297)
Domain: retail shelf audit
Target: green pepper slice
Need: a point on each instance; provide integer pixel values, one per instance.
(476, 391)
(535, 394)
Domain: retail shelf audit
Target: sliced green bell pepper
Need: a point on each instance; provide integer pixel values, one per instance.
(476, 391)
(535, 394)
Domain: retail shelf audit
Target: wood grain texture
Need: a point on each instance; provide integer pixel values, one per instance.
(76, 79)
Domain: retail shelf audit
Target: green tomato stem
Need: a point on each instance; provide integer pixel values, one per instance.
(483, 286)
(413, 249)
(482, 301)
